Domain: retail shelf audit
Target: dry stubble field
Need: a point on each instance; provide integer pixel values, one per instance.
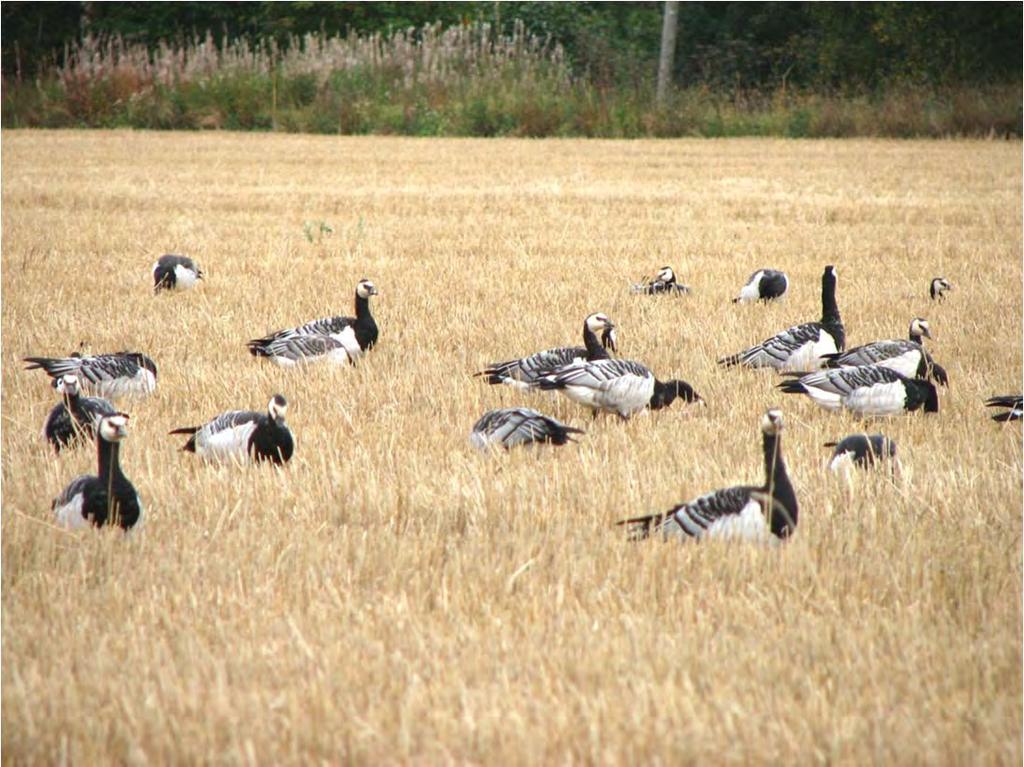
(392, 597)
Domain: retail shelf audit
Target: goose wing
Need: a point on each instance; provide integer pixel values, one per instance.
(528, 370)
(599, 374)
(777, 351)
(302, 348)
(873, 353)
(731, 512)
(844, 381)
(519, 426)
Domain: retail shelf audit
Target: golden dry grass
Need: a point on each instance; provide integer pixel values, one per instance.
(391, 597)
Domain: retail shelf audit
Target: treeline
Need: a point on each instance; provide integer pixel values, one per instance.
(516, 68)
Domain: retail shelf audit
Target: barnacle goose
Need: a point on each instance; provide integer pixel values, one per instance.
(906, 356)
(801, 347)
(74, 418)
(518, 426)
(521, 373)
(124, 374)
(356, 335)
(867, 390)
(108, 497)
(244, 434)
(664, 282)
(616, 386)
(1015, 403)
(763, 513)
(173, 272)
(763, 285)
(861, 450)
(938, 288)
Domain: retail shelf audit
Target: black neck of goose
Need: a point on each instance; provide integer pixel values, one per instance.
(362, 307)
(594, 349)
(917, 338)
(829, 307)
(783, 517)
(109, 465)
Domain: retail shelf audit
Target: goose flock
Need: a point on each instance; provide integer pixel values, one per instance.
(882, 378)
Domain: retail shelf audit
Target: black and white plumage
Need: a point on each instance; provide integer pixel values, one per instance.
(938, 288)
(802, 347)
(907, 357)
(173, 272)
(867, 390)
(243, 435)
(74, 419)
(617, 386)
(763, 285)
(862, 451)
(524, 372)
(108, 497)
(1014, 403)
(664, 282)
(356, 336)
(760, 513)
(518, 426)
(124, 374)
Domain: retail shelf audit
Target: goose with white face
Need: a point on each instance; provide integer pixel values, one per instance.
(244, 435)
(938, 288)
(340, 339)
(664, 281)
(113, 428)
(365, 289)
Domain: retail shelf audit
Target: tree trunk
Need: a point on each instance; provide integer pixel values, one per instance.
(668, 47)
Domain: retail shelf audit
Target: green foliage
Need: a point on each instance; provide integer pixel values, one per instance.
(471, 80)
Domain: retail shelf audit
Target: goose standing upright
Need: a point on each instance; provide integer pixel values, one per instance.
(866, 390)
(173, 272)
(524, 372)
(664, 282)
(907, 357)
(124, 374)
(353, 335)
(244, 434)
(802, 347)
(518, 426)
(763, 285)
(756, 513)
(108, 497)
(74, 418)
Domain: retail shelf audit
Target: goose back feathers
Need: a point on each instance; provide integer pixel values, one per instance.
(861, 450)
(513, 426)
(763, 285)
(617, 386)
(867, 390)
(112, 376)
